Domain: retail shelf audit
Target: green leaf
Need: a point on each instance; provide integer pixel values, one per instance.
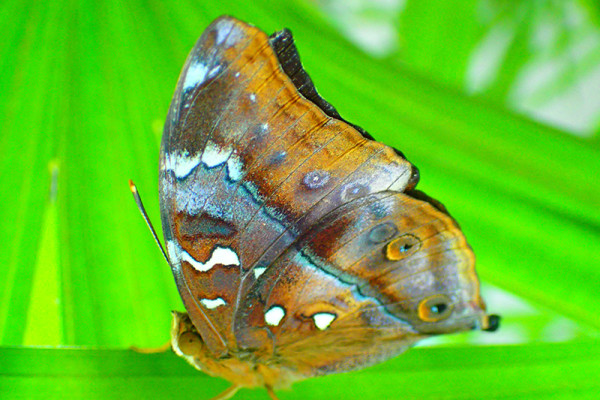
(85, 88)
(559, 371)
(539, 58)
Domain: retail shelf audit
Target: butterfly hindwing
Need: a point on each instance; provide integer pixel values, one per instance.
(350, 292)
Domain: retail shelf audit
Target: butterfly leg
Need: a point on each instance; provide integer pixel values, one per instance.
(271, 392)
(228, 393)
(152, 350)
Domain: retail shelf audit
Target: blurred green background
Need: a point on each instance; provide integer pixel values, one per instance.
(497, 102)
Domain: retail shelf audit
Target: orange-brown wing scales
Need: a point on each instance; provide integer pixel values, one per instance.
(402, 250)
(248, 164)
(391, 254)
(316, 322)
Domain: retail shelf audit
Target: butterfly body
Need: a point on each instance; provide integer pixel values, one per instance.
(298, 244)
(242, 368)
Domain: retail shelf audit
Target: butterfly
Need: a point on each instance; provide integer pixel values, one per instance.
(299, 245)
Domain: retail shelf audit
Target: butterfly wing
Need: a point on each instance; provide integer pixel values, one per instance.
(251, 159)
(371, 278)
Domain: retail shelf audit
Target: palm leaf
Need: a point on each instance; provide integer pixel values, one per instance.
(558, 371)
(85, 89)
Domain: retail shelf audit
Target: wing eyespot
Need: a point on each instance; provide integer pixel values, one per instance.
(382, 232)
(353, 190)
(316, 179)
(435, 308)
(402, 247)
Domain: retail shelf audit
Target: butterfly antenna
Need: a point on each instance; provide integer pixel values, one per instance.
(140, 205)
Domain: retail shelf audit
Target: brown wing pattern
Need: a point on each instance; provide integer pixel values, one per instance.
(247, 164)
(298, 244)
(352, 291)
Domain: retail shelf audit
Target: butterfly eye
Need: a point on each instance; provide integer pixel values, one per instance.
(402, 247)
(189, 343)
(435, 308)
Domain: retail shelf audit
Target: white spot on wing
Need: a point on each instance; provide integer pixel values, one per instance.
(210, 304)
(227, 33)
(172, 251)
(234, 168)
(195, 75)
(258, 271)
(181, 163)
(214, 71)
(253, 97)
(214, 154)
(323, 320)
(219, 256)
(234, 37)
(274, 316)
(222, 33)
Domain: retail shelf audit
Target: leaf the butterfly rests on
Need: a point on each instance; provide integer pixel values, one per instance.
(299, 245)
